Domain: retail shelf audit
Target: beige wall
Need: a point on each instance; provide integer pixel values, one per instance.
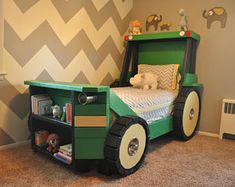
(1, 38)
(216, 56)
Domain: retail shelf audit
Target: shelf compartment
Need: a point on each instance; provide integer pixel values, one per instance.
(50, 119)
(44, 151)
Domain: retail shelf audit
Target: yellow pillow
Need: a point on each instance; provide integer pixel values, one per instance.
(167, 74)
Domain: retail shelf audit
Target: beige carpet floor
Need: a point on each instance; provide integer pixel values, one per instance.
(202, 161)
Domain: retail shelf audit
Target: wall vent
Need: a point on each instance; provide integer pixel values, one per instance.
(227, 124)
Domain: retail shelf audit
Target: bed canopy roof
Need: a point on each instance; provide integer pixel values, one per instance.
(160, 48)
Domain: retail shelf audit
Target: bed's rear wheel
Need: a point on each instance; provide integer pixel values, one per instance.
(186, 113)
(126, 145)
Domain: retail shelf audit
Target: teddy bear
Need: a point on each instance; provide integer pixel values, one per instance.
(135, 27)
(53, 142)
(145, 81)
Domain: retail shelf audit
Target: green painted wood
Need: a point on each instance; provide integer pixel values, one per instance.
(160, 127)
(197, 85)
(67, 86)
(59, 97)
(164, 35)
(91, 110)
(161, 53)
(189, 79)
(90, 132)
(119, 107)
(89, 148)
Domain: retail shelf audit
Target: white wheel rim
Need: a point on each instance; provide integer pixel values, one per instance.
(128, 160)
(191, 113)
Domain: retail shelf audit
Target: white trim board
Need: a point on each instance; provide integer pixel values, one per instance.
(13, 145)
(208, 134)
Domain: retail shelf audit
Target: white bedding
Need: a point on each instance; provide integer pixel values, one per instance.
(151, 105)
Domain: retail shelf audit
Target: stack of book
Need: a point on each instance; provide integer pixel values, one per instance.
(41, 104)
(64, 154)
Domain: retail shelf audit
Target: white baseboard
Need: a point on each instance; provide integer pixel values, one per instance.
(208, 134)
(9, 146)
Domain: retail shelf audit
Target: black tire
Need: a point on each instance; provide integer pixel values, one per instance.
(119, 134)
(103, 167)
(187, 113)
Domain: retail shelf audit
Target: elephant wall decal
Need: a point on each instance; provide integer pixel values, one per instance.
(215, 14)
(153, 20)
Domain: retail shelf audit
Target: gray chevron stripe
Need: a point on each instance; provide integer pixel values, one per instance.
(24, 50)
(25, 5)
(44, 76)
(4, 138)
(17, 102)
(81, 78)
(67, 9)
(108, 79)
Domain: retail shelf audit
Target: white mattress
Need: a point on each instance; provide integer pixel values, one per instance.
(150, 105)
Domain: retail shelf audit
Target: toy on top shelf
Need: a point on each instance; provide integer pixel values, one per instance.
(183, 20)
(135, 27)
(165, 26)
(153, 20)
(56, 111)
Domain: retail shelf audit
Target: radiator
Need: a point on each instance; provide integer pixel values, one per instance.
(227, 124)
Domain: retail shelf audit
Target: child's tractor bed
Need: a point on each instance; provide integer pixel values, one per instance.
(122, 139)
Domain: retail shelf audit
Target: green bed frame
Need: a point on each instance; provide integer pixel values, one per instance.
(92, 142)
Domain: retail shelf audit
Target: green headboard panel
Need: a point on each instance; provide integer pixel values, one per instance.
(162, 52)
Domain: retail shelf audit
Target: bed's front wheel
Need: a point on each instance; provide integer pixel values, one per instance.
(126, 145)
(186, 113)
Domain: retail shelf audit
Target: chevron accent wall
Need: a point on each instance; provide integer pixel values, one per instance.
(59, 40)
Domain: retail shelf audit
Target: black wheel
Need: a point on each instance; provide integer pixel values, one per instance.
(186, 113)
(126, 145)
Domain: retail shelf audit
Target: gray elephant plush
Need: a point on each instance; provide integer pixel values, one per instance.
(215, 14)
(56, 111)
(153, 20)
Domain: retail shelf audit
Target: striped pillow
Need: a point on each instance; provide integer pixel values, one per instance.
(167, 74)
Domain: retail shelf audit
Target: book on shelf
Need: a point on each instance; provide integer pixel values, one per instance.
(66, 148)
(68, 113)
(62, 159)
(64, 154)
(41, 104)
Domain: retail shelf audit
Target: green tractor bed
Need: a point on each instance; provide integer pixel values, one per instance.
(106, 128)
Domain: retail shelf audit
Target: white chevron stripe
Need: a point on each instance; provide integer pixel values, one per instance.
(16, 128)
(25, 24)
(45, 60)
(99, 3)
(123, 7)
